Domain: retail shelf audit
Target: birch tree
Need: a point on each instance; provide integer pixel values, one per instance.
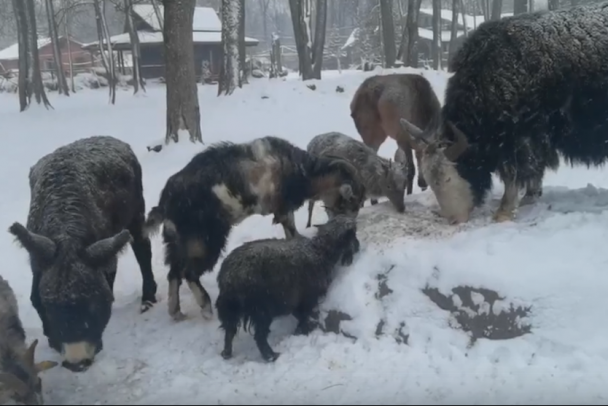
(62, 83)
(183, 111)
(230, 76)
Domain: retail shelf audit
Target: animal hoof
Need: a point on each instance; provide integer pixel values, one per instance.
(179, 316)
(502, 217)
(272, 357)
(226, 355)
(145, 306)
(424, 188)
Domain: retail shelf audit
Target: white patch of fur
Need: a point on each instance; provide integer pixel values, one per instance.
(265, 188)
(201, 300)
(170, 227)
(230, 201)
(453, 193)
(77, 352)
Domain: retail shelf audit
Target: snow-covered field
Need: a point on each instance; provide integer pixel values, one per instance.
(553, 259)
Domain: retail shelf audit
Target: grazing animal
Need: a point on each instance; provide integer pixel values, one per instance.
(380, 176)
(227, 183)
(265, 279)
(525, 89)
(379, 103)
(86, 205)
(19, 379)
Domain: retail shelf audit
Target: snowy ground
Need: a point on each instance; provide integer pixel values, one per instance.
(553, 259)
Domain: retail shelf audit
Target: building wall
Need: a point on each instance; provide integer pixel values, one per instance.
(81, 59)
(153, 64)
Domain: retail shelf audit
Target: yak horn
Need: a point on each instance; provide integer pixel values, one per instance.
(45, 366)
(416, 133)
(455, 150)
(29, 354)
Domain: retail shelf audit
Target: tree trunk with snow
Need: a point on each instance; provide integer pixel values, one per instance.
(520, 6)
(107, 52)
(230, 76)
(463, 11)
(388, 32)
(158, 14)
(135, 48)
(66, 27)
(302, 37)
(319, 40)
(436, 48)
(62, 83)
(496, 9)
(242, 45)
(24, 70)
(37, 86)
(183, 111)
(454, 30)
(413, 12)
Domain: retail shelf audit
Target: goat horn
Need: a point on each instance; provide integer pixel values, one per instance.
(12, 382)
(45, 366)
(414, 132)
(29, 354)
(455, 150)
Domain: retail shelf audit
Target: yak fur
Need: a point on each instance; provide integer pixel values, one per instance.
(265, 279)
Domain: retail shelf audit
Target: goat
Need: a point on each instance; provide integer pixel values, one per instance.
(379, 103)
(19, 372)
(86, 205)
(380, 176)
(526, 89)
(265, 279)
(227, 183)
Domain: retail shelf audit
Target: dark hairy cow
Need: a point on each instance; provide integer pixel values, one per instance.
(86, 205)
(227, 183)
(525, 89)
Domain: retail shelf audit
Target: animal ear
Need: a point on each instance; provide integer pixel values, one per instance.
(108, 248)
(346, 191)
(45, 366)
(37, 245)
(13, 383)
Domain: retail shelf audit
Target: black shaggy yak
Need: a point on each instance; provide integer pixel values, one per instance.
(227, 183)
(525, 89)
(86, 205)
(265, 279)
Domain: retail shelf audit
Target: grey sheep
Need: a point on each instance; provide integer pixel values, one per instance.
(19, 379)
(269, 278)
(380, 176)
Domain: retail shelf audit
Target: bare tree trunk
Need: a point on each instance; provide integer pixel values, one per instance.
(158, 14)
(319, 40)
(454, 30)
(302, 37)
(264, 4)
(463, 10)
(388, 32)
(436, 48)
(34, 63)
(497, 9)
(230, 76)
(104, 36)
(67, 35)
(62, 83)
(24, 71)
(242, 45)
(413, 12)
(135, 48)
(183, 111)
(520, 6)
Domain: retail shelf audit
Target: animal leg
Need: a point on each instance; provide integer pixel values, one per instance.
(534, 191)
(262, 330)
(421, 181)
(303, 314)
(311, 206)
(411, 168)
(228, 339)
(111, 277)
(289, 224)
(200, 295)
(142, 248)
(175, 281)
(378, 139)
(508, 203)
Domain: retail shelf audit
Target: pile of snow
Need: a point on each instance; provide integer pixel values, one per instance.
(480, 313)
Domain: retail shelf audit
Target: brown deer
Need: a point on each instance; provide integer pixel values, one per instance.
(382, 100)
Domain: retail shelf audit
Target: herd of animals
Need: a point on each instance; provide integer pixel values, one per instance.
(525, 90)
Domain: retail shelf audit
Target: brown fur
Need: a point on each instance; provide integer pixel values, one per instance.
(381, 101)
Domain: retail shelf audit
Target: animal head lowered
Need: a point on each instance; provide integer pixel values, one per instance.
(74, 290)
(439, 168)
(395, 184)
(24, 381)
(340, 233)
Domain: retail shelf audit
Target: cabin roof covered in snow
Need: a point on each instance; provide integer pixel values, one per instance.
(205, 18)
(147, 37)
(12, 52)
(472, 21)
(446, 36)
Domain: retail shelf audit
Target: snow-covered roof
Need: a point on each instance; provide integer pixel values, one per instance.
(446, 36)
(472, 21)
(205, 18)
(12, 52)
(147, 37)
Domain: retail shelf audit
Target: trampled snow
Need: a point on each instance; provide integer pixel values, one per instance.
(407, 350)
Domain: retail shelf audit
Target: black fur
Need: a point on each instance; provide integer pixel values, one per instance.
(198, 223)
(265, 279)
(527, 87)
(86, 205)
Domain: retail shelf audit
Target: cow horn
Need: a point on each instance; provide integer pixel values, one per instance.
(455, 150)
(29, 354)
(45, 366)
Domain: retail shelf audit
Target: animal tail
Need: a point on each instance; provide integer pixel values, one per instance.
(230, 312)
(154, 220)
